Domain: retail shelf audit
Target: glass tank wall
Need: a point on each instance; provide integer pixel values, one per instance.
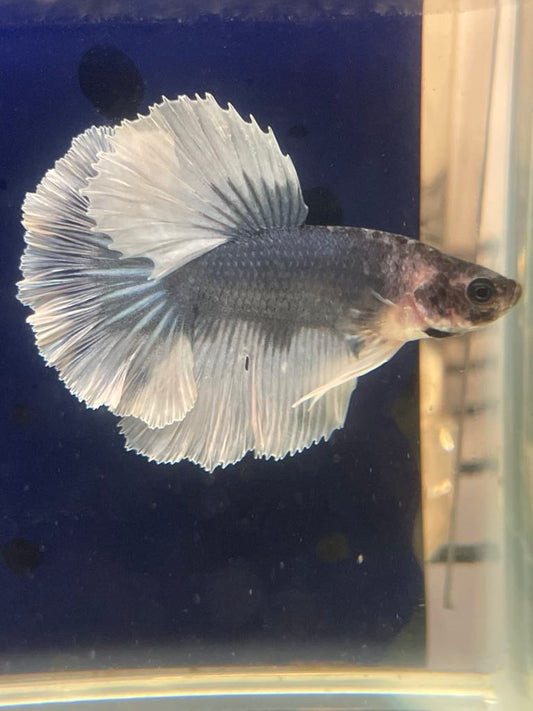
(387, 568)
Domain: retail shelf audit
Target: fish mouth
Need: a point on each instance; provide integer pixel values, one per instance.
(517, 293)
(435, 333)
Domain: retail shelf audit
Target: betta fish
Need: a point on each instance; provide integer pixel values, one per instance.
(173, 279)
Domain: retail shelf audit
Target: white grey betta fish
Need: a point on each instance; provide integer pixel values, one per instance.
(173, 280)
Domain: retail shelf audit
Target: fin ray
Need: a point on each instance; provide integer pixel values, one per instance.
(93, 310)
(248, 391)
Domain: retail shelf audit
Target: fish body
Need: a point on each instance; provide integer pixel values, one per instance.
(321, 276)
(291, 278)
(173, 280)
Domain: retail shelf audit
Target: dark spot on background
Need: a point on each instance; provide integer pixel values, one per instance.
(299, 130)
(23, 414)
(324, 207)
(333, 547)
(111, 82)
(21, 555)
(3, 184)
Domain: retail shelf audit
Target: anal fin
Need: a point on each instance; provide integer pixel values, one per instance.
(253, 392)
(218, 430)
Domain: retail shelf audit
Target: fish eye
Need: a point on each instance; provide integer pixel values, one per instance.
(481, 290)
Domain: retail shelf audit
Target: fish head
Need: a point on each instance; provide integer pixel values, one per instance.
(458, 296)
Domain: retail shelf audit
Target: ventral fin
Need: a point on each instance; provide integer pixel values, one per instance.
(369, 350)
(187, 178)
(252, 395)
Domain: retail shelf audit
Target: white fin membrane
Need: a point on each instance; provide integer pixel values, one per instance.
(188, 177)
(248, 387)
(372, 351)
(99, 319)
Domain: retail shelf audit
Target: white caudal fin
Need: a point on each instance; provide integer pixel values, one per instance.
(188, 177)
(110, 330)
(248, 389)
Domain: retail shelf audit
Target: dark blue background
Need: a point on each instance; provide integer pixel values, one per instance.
(139, 556)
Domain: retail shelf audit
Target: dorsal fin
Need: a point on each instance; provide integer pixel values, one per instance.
(187, 178)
